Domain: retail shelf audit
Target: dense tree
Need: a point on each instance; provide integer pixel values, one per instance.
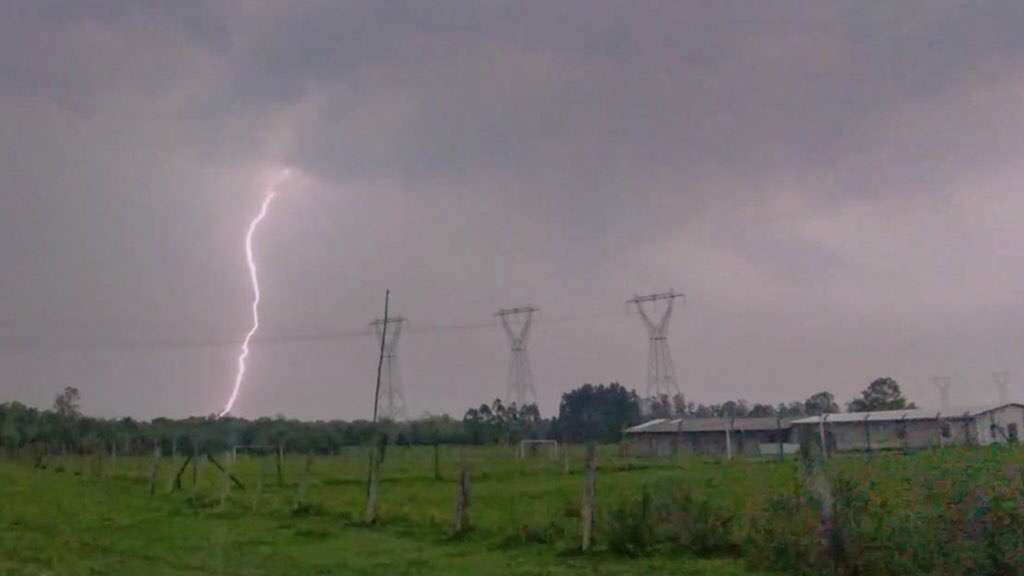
(882, 394)
(761, 411)
(821, 403)
(791, 410)
(597, 413)
(65, 405)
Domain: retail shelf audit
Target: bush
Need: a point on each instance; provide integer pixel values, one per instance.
(700, 523)
(784, 536)
(630, 526)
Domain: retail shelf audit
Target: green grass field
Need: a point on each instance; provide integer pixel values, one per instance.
(942, 512)
(81, 515)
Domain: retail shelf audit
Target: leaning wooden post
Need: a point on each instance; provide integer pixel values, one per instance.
(154, 467)
(113, 459)
(378, 451)
(587, 512)
(371, 492)
(462, 496)
(176, 479)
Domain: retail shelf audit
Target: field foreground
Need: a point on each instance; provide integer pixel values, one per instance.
(954, 511)
(85, 515)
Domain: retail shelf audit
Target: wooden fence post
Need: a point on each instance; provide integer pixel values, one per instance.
(259, 484)
(195, 469)
(153, 469)
(437, 461)
(225, 479)
(462, 499)
(587, 512)
(300, 495)
(280, 458)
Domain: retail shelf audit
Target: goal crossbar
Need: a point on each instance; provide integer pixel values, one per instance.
(551, 444)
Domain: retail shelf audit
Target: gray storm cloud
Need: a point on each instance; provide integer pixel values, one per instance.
(833, 184)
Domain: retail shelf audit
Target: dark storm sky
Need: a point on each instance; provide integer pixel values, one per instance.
(835, 185)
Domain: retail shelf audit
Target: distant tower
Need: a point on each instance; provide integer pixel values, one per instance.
(943, 383)
(661, 373)
(519, 387)
(1003, 386)
(390, 398)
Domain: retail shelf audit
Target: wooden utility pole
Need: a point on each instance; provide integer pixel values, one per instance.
(587, 512)
(377, 450)
(371, 493)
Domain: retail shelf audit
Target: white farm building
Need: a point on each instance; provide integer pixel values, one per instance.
(912, 429)
(850, 432)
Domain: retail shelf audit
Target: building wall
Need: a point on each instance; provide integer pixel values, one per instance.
(1006, 419)
(712, 443)
(914, 434)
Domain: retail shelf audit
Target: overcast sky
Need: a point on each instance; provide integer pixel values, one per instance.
(836, 186)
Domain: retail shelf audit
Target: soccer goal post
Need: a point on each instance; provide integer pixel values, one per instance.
(529, 447)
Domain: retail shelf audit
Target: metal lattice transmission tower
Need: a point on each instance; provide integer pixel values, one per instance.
(1002, 380)
(944, 384)
(390, 397)
(661, 372)
(519, 386)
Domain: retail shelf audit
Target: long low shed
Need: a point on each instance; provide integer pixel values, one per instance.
(912, 429)
(864, 431)
(710, 436)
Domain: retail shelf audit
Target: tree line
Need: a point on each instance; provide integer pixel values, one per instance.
(596, 413)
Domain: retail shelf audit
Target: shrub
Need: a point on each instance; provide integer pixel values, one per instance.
(630, 526)
(700, 523)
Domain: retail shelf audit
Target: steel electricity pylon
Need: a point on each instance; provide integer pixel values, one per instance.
(661, 372)
(519, 386)
(390, 397)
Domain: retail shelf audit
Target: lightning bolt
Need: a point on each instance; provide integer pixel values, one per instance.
(250, 258)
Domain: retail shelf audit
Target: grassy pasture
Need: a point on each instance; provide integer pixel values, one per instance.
(955, 511)
(83, 515)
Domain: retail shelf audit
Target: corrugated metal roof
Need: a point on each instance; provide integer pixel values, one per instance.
(898, 415)
(663, 426)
